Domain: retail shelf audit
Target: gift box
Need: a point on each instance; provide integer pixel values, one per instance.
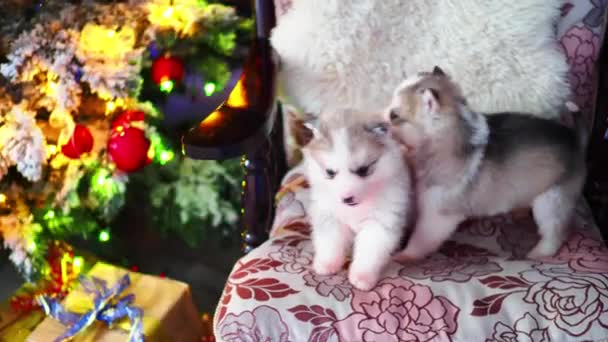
(162, 309)
(15, 326)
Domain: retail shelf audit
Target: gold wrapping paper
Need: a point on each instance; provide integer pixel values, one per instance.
(169, 312)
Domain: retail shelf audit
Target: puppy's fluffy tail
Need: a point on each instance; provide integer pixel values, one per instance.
(580, 126)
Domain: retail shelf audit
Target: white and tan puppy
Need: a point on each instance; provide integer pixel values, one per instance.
(469, 164)
(360, 187)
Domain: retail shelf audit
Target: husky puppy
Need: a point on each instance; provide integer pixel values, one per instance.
(469, 164)
(360, 186)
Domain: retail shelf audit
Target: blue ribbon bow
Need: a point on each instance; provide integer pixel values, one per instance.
(104, 308)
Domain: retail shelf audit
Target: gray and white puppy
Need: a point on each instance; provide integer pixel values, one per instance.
(469, 164)
(359, 197)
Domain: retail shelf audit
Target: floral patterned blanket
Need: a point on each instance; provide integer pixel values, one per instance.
(478, 287)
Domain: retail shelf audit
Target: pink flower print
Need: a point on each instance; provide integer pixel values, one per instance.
(565, 9)
(581, 46)
(583, 254)
(440, 267)
(573, 301)
(289, 210)
(525, 329)
(335, 285)
(480, 227)
(518, 239)
(294, 260)
(398, 310)
(262, 324)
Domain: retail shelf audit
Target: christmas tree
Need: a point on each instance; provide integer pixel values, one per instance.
(81, 93)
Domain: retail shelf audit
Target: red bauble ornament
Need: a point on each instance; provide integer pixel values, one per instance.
(81, 142)
(128, 148)
(167, 68)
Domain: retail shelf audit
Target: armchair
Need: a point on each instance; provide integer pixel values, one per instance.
(478, 287)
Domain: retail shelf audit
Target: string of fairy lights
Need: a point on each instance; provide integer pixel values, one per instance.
(79, 112)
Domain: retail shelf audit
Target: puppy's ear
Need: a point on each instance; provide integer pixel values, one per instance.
(311, 123)
(298, 129)
(437, 71)
(430, 100)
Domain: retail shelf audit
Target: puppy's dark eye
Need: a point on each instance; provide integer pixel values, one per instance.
(393, 115)
(363, 171)
(330, 173)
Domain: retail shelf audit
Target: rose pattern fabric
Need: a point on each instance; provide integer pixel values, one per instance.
(518, 240)
(440, 268)
(399, 310)
(525, 329)
(487, 226)
(289, 210)
(479, 287)
(574, 302)
(581, 45)
(335, 285)
(583, 254)
(293, 259)
(252, 326)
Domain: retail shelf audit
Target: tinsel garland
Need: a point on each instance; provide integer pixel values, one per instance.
(84, 65)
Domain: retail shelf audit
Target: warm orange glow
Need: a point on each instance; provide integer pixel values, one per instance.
(212, 120)
(51, 150)
(151, 153)
(112, 106)
(51, 86)
(238, 96)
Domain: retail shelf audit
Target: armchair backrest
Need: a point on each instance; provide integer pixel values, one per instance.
(580, 32)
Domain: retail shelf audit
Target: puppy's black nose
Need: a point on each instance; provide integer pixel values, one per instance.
(349, 200)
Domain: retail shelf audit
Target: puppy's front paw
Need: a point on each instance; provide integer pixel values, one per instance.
(543, 250)
(363, 281)
(405, 256)
(327, 267)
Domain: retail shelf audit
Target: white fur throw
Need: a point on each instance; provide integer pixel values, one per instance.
(337, 53)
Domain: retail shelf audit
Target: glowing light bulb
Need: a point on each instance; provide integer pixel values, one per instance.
(2, 198)
(166, 156)
(78, 261)
(110, 107)
(49, 215)
(77, 264)
(168, 12)
(52, 149)
(166, 86)
(104, 236)
(209, 88)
